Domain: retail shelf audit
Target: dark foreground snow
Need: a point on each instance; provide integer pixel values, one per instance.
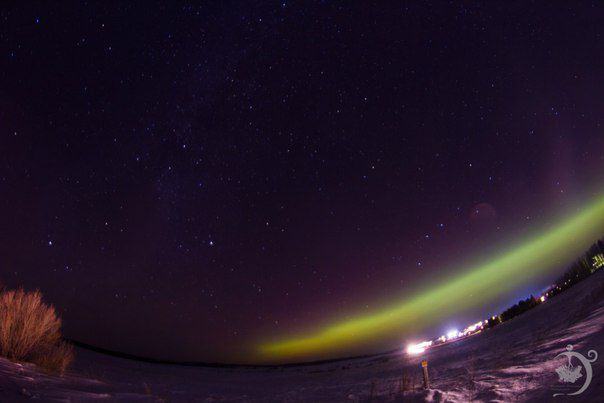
(513, 362)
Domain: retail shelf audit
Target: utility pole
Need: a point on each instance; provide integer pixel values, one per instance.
(426, 378)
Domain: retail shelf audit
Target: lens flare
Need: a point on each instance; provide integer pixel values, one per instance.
(551, 249)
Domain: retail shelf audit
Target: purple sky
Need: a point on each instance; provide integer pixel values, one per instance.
(181, 181)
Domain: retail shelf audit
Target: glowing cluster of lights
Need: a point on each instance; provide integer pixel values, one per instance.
(475, 327)
(414, 349)
(455, 334)
(419, 348)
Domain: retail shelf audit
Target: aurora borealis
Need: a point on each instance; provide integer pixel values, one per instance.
(268, 182)
(529, 259)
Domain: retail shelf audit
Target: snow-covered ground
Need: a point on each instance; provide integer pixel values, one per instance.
(512, 362)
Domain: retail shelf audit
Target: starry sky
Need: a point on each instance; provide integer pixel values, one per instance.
(185, 180)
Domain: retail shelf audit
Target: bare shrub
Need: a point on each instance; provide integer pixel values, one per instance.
(55, 358)
(30, 331)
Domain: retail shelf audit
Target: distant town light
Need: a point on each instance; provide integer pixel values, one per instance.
(418, 348)
(472, 328)
(598, 261)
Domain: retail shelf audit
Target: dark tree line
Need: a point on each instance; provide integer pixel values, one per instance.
(579, 270)
(582, 268)
(519, 308)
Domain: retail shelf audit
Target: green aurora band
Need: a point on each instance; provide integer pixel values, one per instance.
(536, 257)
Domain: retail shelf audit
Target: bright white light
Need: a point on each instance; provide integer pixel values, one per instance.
(418, 348)
(472, 328)
(452, 334)
(543, 298)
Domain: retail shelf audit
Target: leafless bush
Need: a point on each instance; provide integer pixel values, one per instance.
(31, 331)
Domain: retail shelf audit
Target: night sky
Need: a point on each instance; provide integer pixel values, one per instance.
(184, 181)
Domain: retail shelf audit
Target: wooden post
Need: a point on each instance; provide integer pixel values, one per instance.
(426, 379)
